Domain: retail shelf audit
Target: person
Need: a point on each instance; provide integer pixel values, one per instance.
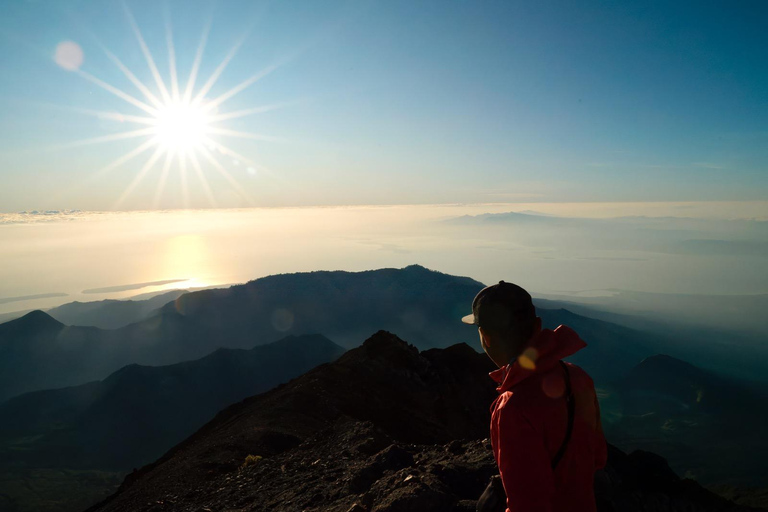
(545, 424)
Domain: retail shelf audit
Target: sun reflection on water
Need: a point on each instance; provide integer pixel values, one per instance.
(187, 256)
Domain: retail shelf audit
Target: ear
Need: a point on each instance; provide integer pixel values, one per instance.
(537, 325)
(483, 338)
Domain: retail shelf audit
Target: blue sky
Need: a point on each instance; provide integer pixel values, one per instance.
(398, 102)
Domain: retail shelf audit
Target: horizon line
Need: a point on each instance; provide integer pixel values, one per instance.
(47, 211)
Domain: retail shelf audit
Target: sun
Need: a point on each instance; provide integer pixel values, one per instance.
(181, 127)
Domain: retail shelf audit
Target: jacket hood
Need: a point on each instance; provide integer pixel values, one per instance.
(540, 355)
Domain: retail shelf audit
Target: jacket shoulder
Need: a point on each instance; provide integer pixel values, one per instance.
(576, 372)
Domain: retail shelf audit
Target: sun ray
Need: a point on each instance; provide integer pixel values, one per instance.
(249, 111)
(221, 148)
(117, 92)
(221, 170)
(129, 74)
(240, 87)
(101, 114)
(183, 174)
(163, 177)
(171, 54)
(196, 64)
(123, 159)
(123, 118)
(140, 176)
(243, 135)
(203, 179)
(106, 138)
(104, 170)
(205, 89)
(147, 53)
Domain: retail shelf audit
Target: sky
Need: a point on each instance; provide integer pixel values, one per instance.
(385, 102)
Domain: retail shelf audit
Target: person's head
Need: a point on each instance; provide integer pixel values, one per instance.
(506, 321)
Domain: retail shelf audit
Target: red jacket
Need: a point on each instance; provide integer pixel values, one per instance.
(529, 421)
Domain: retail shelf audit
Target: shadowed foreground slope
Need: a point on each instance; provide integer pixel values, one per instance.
(384, 428)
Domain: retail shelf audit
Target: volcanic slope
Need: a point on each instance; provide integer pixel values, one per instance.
(383, 428)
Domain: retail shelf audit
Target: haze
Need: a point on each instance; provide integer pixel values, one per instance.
(574, 251)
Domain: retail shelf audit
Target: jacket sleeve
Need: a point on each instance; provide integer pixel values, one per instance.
(601, 448)
(524, 463)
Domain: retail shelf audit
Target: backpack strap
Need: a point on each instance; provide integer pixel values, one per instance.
(571, 402)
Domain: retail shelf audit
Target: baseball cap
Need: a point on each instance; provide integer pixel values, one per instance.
(500, 306)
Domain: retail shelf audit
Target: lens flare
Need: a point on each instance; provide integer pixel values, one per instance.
(528, 358)
(69, 55)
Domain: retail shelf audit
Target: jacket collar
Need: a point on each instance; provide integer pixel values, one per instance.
(542, 353)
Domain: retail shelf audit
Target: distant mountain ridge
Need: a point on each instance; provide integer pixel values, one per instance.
(416, 303)
(510, 217)
(111, 314)
(342, 305)
(138, 412)
(708, 426)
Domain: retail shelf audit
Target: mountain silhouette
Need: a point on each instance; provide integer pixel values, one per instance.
(38, 352)
(345, 306)
(418, 304)
(708, 426)
(383, 428)
(35, 321)
(138, 412)
(490, 219)
(111, 314)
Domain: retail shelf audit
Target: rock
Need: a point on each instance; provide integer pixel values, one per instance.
(374, 444)
(455, 447)
(419, 497)
(394, 458)
(364, 478)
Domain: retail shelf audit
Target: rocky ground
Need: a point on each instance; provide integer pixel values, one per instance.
(383, 429)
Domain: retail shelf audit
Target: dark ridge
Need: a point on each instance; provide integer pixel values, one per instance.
(139, 412)
(417, 304)
(708, 426)
(33, 320)
(663, 361)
